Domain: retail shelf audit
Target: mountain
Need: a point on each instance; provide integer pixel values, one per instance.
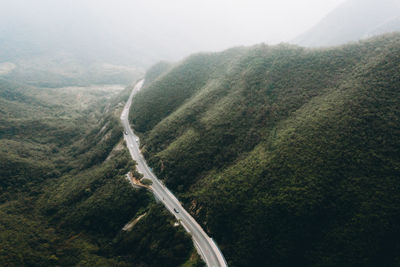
(353, 20)
(285, 155)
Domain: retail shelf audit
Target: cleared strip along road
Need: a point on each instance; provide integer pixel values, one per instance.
(205, 245)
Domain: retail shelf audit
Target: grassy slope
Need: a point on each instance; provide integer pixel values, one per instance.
(63, 194)
(286, 155)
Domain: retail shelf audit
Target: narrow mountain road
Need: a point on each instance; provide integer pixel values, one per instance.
(205, 245)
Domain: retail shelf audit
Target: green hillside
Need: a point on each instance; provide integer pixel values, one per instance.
(286, 155)
(64, 197)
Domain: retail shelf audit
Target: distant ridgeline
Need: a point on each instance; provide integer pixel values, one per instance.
(287, 156)
(353, 20)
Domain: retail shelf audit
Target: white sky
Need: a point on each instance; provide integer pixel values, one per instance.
(185, 26)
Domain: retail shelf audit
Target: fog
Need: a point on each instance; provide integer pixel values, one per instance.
(142, 32)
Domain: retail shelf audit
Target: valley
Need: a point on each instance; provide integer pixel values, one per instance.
(63, 193)
(200, 133)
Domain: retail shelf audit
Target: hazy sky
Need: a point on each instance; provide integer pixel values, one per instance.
(176, 27)
(216, 23)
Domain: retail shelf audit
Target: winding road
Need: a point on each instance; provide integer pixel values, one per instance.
(205, 245)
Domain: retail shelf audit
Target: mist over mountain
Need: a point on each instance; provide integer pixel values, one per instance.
(353, 20)
(71, 40)
(31, 28)
(53, 57)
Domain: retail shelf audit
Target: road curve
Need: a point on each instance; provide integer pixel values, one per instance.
(205, 245)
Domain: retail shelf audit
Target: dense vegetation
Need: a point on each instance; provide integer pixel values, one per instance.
(64, 197)
(286, 155)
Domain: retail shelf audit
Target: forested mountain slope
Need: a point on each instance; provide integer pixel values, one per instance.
(64, 196)
(286, 155)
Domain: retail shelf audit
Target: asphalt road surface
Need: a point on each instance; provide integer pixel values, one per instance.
(205, 245)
